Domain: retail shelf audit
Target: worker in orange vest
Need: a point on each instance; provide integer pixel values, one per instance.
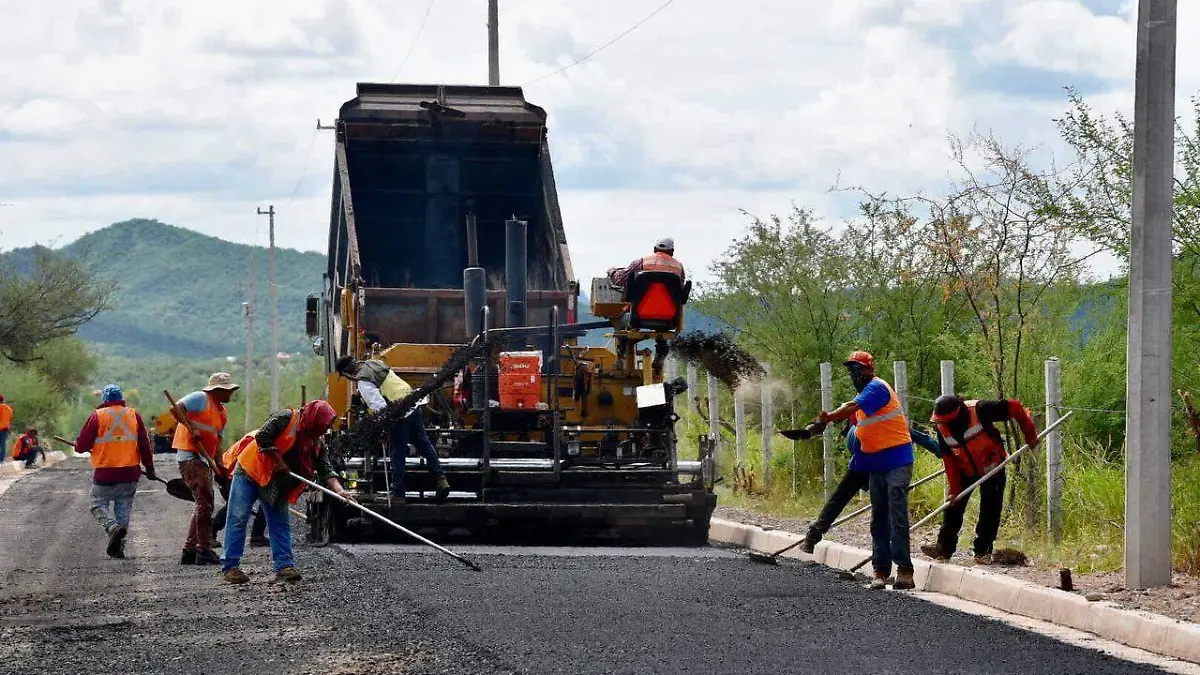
(262, 462)
(971, 446)
(206, 411)
(116, 437)
(6, 416)
(661, 259)
(887, 454)
(26, 448)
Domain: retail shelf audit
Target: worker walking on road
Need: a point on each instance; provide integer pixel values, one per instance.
(6, 417)
(27, 448)
(379, 386)
(206, 411)
(972, 446)
(887, 455)
(288, 442)
(853, 481)
(116, 437)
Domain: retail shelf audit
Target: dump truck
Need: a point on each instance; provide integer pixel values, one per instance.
(448, 260)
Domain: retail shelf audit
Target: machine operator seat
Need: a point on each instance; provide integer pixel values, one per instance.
(656, 301)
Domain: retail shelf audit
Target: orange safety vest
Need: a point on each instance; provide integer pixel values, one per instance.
(885, 429)
(983, 450)
(116, 438)
(661, 262)
(209, 422)
(6, 415)
(258, 466)
(22, 448)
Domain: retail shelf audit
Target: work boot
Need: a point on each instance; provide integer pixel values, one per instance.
(116, 541)
(235, 576)
(259, 541)
(215, 543)
(288, 574)
(935, 551)
(880, 580)
(443, 489)
(188, 558)
(810, 541)
(207, 557)
(983, 558)
(904, 579)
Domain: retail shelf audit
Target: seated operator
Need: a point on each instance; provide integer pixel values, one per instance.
(662, 259)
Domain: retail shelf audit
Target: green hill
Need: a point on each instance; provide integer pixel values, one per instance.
(180, 293)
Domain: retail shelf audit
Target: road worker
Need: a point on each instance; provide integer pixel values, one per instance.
(887, 455)
(289, 441)
(661, 259)
(6, 417)
(379, 386)
(27, 449)
(971, 446)
(853, 481)
(116, 437)
(206, 411)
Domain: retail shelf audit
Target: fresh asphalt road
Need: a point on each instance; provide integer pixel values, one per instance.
(65, 608)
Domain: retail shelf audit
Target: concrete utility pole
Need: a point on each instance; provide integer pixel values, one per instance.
(1054, 451)
(270, 213)
(248, 308)
(827, 440)
(493, 43)
(1148, 378)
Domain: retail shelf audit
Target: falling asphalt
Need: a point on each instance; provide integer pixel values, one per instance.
(65, 608)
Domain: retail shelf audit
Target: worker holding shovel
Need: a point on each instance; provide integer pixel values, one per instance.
(971, 447)
(887, 455)
(116, 437)
(197, 442)
(263, 463)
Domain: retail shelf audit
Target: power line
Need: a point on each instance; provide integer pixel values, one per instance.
(413, 45)
(602, 47)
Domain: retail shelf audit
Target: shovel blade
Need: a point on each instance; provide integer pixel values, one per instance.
(179, 490)
(796, 434)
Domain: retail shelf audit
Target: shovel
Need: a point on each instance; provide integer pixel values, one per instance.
(849, 574)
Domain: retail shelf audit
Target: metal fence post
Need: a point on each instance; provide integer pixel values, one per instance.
(1054, 515)
(768, 427)
(827, 437)
(900, 368)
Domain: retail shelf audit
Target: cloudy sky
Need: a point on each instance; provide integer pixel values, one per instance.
(196, 113)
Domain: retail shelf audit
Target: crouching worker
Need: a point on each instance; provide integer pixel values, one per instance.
(887, 455)
(288, 442)
(116, 437)
(27, 448)
(971, 446)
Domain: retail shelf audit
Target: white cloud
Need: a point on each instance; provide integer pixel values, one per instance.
(196, 113)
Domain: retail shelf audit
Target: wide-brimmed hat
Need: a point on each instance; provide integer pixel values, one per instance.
(221, 381)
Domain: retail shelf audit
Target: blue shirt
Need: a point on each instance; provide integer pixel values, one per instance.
(873, 397)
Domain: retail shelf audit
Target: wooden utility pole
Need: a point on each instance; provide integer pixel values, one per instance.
(270, 213)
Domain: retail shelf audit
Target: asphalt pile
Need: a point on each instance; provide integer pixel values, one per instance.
(718, 354)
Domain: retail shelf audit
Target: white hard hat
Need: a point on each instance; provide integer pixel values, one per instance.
(665, 244)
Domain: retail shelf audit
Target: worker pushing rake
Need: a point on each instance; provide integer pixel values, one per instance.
(967, 441)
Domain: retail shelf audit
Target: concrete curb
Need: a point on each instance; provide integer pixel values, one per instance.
(1143, 630)
(11, 472)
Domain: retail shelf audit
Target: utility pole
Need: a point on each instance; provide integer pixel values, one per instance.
(493, 43)
(270, 213)
(248, 307)
(1148, 374)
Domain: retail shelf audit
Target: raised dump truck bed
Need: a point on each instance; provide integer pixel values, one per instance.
(430, 180)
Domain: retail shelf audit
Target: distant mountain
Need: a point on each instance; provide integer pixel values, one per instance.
(180, 293)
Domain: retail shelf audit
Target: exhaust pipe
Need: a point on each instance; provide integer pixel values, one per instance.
(516, 271)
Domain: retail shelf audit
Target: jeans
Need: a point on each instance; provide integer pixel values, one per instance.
(121, 497)
(991, 504)
(3, 444)
(257, 530)
(851, 483)
(889, 519)
(199, 480)
(242, 496)
(410, 430)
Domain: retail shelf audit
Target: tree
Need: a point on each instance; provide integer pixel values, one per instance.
(52, 301)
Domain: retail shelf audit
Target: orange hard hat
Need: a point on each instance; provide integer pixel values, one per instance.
(861, 358)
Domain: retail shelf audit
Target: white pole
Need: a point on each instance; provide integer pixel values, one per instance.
(1148, 378)
(768, 427)
(249, 308)
(827, 439)
(739, 425)
(692, 384)
(714, 415)
(1054, 514)
(947, 378)
(900, 368)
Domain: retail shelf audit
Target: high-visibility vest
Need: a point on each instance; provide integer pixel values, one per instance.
(661, 262)
(116, 438)
(980, 450)
(6, 415)
(22, 448)
(257, 465)
(209, 422)
(390, 385)
(886, 428)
